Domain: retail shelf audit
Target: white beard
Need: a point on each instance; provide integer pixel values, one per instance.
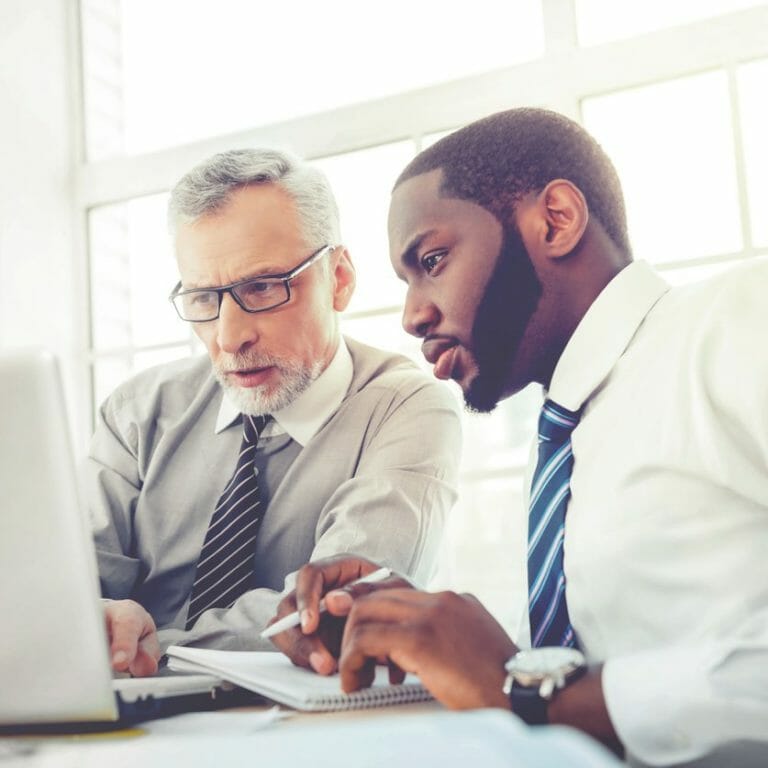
(262, 400)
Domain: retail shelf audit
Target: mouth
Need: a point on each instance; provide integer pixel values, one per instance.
(249, 377)
(441, 353)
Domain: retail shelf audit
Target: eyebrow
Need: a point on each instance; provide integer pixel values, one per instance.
(259, 276)
(409, 256)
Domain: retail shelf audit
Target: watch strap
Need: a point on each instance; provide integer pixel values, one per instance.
(528, 705)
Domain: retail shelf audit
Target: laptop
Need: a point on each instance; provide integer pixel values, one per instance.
(54, 660)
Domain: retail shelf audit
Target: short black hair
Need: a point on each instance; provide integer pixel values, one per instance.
(495, 161)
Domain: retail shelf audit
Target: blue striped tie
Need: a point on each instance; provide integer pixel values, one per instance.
(225, 568)
(550, 491)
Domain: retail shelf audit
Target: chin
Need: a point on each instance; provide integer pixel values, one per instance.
(269, 398)
(255, 401)
(486, 390)
(481, 396)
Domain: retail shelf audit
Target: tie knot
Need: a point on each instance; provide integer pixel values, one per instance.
(556, 423)
(253, 427)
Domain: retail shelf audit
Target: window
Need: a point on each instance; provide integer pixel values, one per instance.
(133, 325)
(484, 550)
(601, 21)
(753, 85)
(167, 84)
(672, 145)
(362, 182)
(154, 71)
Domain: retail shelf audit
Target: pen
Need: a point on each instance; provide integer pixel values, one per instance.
(293, 619)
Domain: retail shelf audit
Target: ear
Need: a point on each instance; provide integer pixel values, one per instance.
(342, 278)
(562, 216)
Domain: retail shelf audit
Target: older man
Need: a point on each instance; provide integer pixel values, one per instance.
(210, 480)
(647, 525)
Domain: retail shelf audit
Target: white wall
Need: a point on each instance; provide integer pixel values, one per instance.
(39, 288)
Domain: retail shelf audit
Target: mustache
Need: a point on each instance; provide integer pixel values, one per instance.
(245, 361)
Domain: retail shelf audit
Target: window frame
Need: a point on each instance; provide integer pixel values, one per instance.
(564, 76)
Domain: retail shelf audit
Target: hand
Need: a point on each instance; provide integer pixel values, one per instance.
(316, 643)
(450, 641)
(133, 642)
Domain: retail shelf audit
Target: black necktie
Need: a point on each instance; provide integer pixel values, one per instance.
(225, 568)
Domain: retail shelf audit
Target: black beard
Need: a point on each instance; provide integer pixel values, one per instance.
(509, 300)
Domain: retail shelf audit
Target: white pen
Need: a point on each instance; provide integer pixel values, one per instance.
(294, 619)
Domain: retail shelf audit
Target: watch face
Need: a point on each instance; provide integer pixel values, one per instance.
(539, 662)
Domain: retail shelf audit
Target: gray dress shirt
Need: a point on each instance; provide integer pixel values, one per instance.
(377, 479)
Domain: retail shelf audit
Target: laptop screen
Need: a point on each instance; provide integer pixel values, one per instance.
(54, 660)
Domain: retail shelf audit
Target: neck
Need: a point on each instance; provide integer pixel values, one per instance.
(582, 277)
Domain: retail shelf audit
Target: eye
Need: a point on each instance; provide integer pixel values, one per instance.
(258, 294)
(201, 298)
(256, 288)
(259, 289)
(430, 261)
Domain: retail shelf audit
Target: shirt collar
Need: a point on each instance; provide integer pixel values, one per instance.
(311, 409)
(604, 333)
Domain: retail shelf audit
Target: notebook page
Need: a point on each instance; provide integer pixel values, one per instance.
(273, 675)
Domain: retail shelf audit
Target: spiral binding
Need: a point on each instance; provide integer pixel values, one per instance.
(407, 693)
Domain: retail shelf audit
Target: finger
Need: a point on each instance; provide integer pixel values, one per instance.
(367, 674)
(314, 579)
(150, 643)
(380, 625)
(396, 673)
(339, 601)
(470, 598)
(306, 651)
(124, 632)
(310, 583)
(148, 648)
(143, 665)
(285, 607)
(390, 605)
(147, 656)
(362, 645)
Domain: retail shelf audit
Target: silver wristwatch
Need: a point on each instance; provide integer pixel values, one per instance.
(534, 676)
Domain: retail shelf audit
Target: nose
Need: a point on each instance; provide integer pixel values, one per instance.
(419, 314)
(236, 328)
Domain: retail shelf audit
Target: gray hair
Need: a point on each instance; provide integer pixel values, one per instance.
(208, 187)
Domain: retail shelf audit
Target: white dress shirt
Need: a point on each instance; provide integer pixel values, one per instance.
(666, 539)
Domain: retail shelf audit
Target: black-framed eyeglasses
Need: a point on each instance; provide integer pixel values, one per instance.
(254, 294)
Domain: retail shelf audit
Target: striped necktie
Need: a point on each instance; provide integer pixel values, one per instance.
(225, 568)
(550, 491)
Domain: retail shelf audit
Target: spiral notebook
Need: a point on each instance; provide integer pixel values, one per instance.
(274, 676)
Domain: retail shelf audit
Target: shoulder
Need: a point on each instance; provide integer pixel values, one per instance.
(721, 322)
(735, 296)
(395, 409)
(381, 373)
(167, 388)
(721, 315)
(733, 318)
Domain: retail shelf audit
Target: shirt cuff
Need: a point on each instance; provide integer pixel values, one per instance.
(655, 700)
